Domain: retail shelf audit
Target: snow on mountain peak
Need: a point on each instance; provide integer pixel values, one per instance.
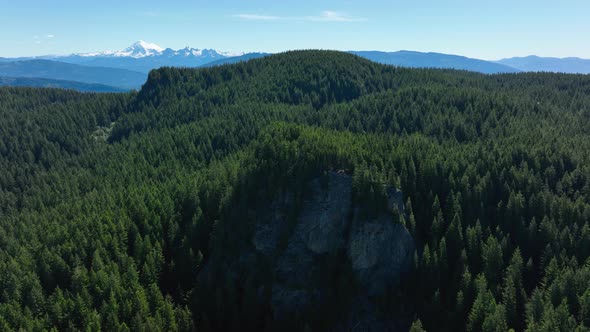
(147, 46)
(142, 49)
(232, 54)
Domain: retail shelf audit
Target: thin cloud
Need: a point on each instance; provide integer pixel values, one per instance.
(325, 16)
(50, 36)
(331, 16)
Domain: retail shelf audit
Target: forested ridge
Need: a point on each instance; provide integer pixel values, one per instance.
(111, 205)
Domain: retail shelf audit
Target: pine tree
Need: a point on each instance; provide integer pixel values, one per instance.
(454, 238)
(510, 303)
(496, 320)
(417, 326)
(483, 306)
(535, 310)
(493, 262)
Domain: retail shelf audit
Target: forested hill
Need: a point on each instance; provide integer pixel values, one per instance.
(136, 211)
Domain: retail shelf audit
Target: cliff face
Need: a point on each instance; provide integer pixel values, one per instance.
(328, 247)
(380, 252)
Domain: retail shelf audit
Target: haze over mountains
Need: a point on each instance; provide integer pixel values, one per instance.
(127, 69)
(142, 57)
(55, 70)
(61, 84)
(560, 65)
(435, 60)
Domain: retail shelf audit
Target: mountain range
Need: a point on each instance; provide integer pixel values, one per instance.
(142, 57)
(127, 69)
(48, 69)
(60, 84)
(561, 65)
(435, 60)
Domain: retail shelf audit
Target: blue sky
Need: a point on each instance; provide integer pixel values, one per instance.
(481, 29)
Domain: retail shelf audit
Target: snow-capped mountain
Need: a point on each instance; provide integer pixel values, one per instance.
(142, 49)
(139, 49)
(144, 56)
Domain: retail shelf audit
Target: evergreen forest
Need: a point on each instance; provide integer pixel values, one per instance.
(125, 211)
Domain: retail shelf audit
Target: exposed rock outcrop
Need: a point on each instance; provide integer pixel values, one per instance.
(380, 252)
(328, 238)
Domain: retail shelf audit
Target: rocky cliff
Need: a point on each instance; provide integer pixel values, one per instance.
(326, 255)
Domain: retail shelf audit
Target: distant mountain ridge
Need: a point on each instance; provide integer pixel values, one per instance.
(435, 60)
(237, 59)
(139, 49)
(61, 84)
(405, 59)
(143, 57)
(128, 68)
(48, 69)
(535, 63)
(142, 49)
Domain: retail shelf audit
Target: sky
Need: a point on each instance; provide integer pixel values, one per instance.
(490, 30)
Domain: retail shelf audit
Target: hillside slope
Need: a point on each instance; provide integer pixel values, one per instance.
(261, 195)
